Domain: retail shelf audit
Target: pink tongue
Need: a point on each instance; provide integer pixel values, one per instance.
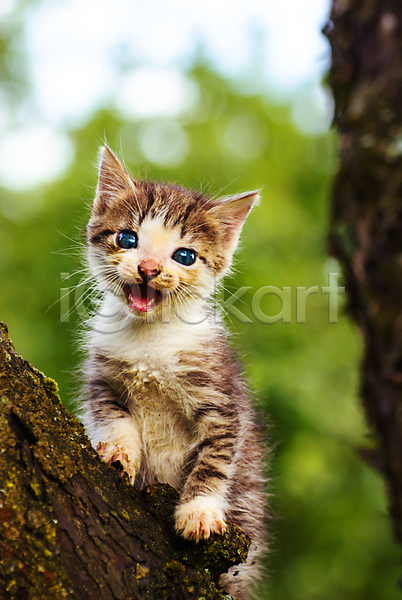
(142, 298)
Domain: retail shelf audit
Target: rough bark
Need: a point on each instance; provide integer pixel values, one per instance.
(70, 526)
(366, 223)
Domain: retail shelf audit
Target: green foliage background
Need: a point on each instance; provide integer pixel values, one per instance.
(331, 535)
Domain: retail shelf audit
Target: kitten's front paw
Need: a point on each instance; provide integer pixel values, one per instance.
(199, 518)
(111, 453)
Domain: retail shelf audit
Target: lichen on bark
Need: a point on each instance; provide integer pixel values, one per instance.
(70, 526)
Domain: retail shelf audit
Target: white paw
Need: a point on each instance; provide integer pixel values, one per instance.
(199, 518)
(111, 453)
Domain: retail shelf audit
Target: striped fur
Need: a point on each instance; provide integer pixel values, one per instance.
(163, 393)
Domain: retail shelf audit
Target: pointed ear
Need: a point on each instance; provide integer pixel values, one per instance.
(113, 178)
(232, 212)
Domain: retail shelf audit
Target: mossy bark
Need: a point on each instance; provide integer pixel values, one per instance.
(366, 223)
(70, 526)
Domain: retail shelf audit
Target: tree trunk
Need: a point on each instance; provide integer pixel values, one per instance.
(70, 526)
(366, 223)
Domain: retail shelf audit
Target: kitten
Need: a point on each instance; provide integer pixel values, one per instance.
(163, 394)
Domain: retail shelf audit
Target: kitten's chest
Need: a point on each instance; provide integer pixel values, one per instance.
(149, 379)
(159, 408)
(150, 376)
(146, 362)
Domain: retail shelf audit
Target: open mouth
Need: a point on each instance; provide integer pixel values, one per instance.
(141, 296)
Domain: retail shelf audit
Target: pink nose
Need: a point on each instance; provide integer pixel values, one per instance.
(149, 267)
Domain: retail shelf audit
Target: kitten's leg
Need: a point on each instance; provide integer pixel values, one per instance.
(119, 440)
(112, 429)
(201, 510)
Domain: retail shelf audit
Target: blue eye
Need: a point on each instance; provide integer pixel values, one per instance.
(184, 256)
(127, 240)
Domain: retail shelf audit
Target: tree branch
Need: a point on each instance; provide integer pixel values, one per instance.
(70, 526)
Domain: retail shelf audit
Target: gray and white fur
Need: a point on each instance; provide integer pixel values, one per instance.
(163, 394)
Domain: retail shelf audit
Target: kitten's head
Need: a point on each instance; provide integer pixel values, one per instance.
(156, 245)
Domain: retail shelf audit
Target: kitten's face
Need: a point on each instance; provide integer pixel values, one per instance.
(159, 247)
(148, 263)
